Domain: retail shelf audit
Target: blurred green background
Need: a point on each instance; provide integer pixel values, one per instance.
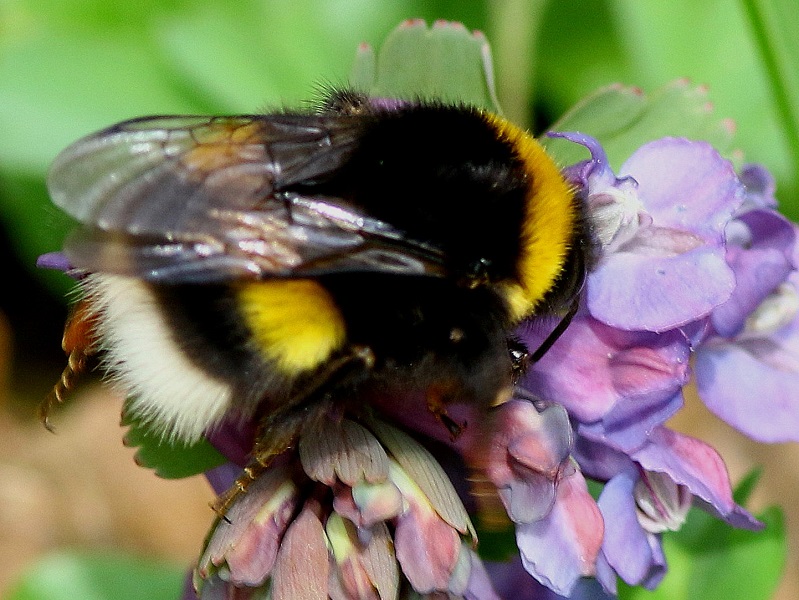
(68, 67)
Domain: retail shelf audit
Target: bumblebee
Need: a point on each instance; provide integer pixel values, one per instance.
(252, 266)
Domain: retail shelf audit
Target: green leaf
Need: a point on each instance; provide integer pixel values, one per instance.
(253, 52)
(33, 225)
(66, 85)
(624, 118)
(743, 491)
(775, 24)
(497, 543)
(580, 49)
(592, 43)
(444, 61)
(743, 564)
(67, 576)
(594, 488)
(170, 460)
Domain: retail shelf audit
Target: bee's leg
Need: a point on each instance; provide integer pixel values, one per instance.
(436, 403)
(356, 360)
(276, 435)
(279, 430)
(519, 358)
(80, 345)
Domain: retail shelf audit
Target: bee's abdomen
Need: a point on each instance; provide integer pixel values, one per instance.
(155, 359)
(294, 323)
(259, 336)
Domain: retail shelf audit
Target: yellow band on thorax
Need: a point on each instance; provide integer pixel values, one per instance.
(549, 221)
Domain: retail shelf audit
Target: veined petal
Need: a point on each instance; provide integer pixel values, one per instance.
(563, 546)
(686, 185)
(245, 544)
(304, 545)
(342, 450)
(694, 464)
(362, 569)
(380, 562)
(427, 547)
(633, 553)
(427, 474)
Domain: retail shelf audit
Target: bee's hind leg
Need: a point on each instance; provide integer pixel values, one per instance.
(280, 429)
(80, 345)
(276, 435)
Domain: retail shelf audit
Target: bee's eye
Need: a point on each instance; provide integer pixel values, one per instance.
(479, 269)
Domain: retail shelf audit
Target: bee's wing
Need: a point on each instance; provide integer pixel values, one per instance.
(202, 199)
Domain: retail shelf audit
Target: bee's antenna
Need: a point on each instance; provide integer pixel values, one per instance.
(562, 325)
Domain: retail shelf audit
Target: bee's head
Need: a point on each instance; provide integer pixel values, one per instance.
(534, 244)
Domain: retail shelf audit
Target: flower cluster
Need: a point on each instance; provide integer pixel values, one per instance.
(695, 284)
(377, 515)
(695, 264)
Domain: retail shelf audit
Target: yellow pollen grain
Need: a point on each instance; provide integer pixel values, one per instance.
(549, 221)
(295, 322)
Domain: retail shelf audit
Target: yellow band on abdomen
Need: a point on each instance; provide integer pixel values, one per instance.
(295, 322)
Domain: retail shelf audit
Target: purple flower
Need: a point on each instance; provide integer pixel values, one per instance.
(558, 525)
(747, 366)
(693, 260)
(650, 491)
(751, 380)
(562, 547)
(661, 230)
(694, 264)
(375, 509)
(617, 385)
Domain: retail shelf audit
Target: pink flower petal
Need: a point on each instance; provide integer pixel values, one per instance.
(247, 541)
(696, 465)
(427, 549)
(563, 546)
(302, 567)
